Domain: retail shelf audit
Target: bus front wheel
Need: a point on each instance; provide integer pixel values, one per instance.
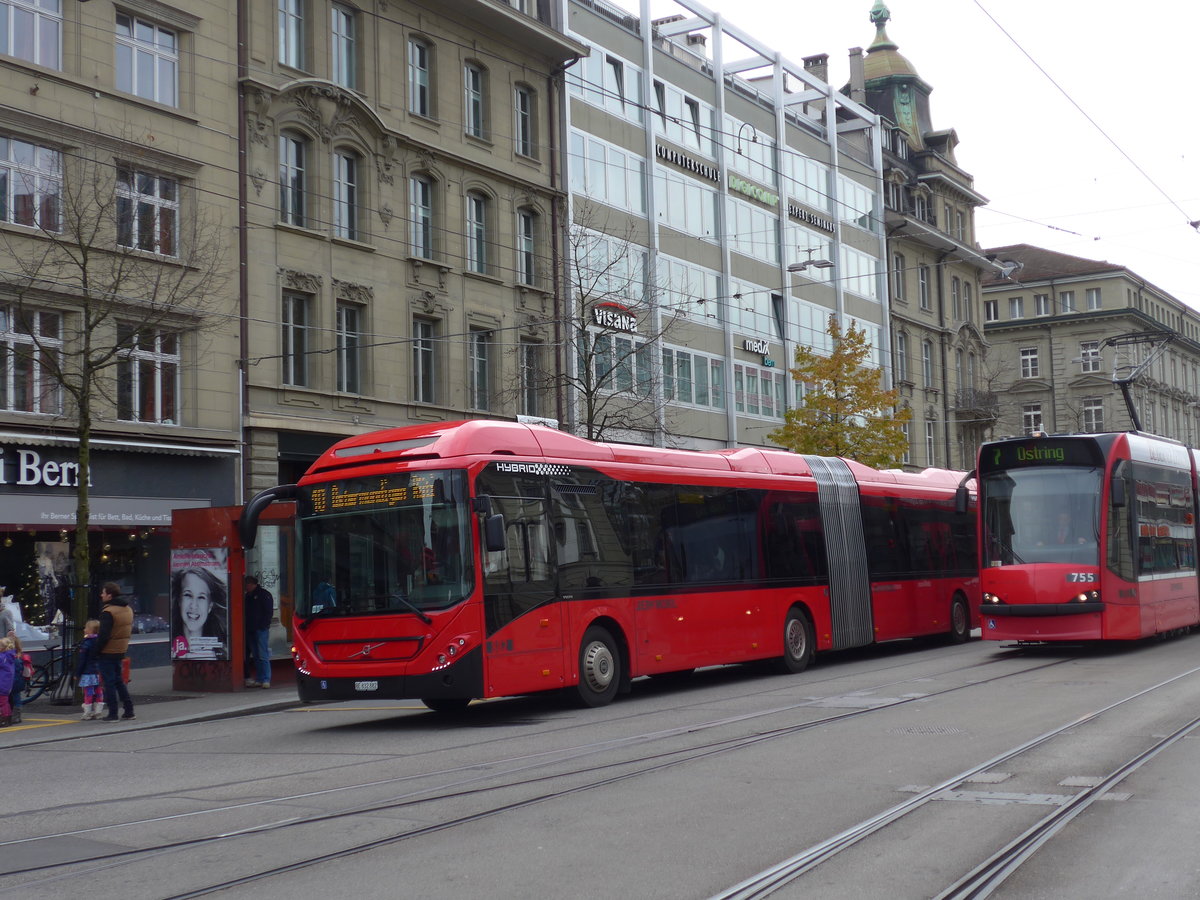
(599, 668)
(798, 641)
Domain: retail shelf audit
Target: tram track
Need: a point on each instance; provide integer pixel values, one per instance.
(477, 779)
(988, 875)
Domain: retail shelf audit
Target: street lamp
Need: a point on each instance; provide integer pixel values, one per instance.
(810, 264)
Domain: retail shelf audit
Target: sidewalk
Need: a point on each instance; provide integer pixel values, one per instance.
(156, 704)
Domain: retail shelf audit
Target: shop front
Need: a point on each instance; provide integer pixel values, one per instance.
(134, 486)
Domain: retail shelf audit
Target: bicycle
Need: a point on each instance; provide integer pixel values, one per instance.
(48, 674)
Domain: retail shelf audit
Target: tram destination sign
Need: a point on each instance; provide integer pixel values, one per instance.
(1045, 452)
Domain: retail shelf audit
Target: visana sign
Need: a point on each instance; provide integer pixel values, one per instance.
(614, 317)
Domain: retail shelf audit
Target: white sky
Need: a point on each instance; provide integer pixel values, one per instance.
(1051, 177)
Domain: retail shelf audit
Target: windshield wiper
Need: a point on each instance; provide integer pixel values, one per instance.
(411, 607)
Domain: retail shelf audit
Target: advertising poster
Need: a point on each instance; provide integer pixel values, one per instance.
(200, 603)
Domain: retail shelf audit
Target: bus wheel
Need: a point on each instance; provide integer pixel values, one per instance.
(599, 668)
(798, 640)
(446, 704)
(960, 621)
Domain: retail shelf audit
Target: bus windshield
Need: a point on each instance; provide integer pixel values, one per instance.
(384, 544)
(1041, 515)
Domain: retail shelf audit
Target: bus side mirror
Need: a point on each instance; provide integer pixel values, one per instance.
(962, 500)
(1118, 492)
(483, 505)
(493, 533)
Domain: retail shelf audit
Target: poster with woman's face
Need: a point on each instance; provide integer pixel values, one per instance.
(200, 603)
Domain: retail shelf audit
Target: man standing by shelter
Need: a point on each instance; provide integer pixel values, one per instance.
(116, 625)
(259, 610)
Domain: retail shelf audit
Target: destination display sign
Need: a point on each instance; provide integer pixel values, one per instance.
(371, 492)
(1045, 452)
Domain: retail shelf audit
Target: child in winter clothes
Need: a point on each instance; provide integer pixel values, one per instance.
(87, 673)
(8, 665)
(18, 687)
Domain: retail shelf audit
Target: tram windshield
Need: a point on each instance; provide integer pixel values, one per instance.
(1041, 515)
(384, 544)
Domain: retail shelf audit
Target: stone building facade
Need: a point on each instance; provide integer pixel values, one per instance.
(1062, 327)
(935, 265)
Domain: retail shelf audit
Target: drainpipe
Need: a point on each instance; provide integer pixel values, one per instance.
(243, 251)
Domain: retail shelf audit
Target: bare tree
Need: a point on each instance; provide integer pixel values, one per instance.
(116, 256)
(612, 365)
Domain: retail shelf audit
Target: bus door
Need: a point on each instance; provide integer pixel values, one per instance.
(523, 647)
(849, 583)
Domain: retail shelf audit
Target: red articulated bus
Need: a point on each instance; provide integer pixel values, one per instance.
(463, 560)
(1087, 537)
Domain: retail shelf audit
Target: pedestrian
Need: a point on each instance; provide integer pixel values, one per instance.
(259, 609)
(116, 625)
(8, 665)
(87, 673)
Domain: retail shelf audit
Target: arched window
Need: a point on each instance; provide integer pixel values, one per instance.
(293, 192)
(345, 194)
(420, 215)
(477, 232)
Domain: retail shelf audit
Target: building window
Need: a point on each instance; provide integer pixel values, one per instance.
(147, 60)
(147, 212)
(295, 321)
(291, 33)
(527, 221)
(1029, 362)
(479, 378)
(901, 365)
(1089, 356)
(475, 100)
(1016, 307)
(960, 226)
(424, 389)
(898, 274)
(32, 30)
(420, 87)
(147, 375)
(343, 46)
(293, 201)
(923, 286)
(956, 298)
(30, 354)
(1031, 418)
(349, 348)
(1041, 304)
(525, 110)
(968, 301)
(530, 377)
(1066, 301)
(931, 443)
(1093, 298)
(30, 184)
(421, 216)
(991, 310)
(477, 233)
(927, 363)
(345, 195)
(1093, 414)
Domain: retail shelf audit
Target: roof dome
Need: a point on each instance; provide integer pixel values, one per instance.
(883, 57)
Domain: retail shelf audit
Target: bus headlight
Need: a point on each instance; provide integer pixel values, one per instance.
(991, 598)
(1088, 597)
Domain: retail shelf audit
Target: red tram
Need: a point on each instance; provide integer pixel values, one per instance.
(462, 560)
(1087, 537)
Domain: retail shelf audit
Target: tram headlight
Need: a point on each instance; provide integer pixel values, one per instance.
(991, 598)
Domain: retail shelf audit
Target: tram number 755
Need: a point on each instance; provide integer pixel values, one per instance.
(1082, 577)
